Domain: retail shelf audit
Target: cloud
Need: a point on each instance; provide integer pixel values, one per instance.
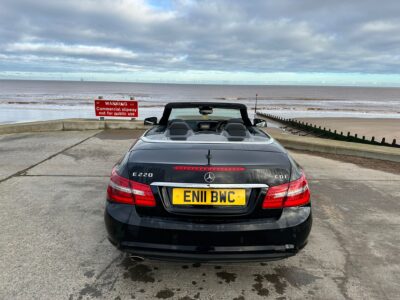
(70, 50)
(380, 27)
(258, 36)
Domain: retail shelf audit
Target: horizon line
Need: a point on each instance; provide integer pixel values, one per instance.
(203, 82)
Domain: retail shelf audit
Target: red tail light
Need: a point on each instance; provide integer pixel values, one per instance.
(127, 191)
(295, 193)
(142, 194)
(119, 189)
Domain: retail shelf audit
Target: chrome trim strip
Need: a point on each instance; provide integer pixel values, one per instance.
(210, 185)
(119, 187)
(147, 140)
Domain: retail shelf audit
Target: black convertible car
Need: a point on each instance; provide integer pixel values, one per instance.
(205, 184)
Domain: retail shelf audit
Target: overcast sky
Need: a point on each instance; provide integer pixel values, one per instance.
(282, 41)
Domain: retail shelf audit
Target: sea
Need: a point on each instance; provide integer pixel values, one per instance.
(37, 100)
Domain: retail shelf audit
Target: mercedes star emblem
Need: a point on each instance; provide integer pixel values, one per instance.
(209, 177)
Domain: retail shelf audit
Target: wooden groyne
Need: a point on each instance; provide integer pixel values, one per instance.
(329, 133)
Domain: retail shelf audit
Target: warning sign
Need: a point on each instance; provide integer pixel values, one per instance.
(116, 108)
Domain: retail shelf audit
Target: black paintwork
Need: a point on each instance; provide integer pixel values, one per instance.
(208, 233)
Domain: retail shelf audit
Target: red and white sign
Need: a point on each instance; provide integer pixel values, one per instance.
(116, 108)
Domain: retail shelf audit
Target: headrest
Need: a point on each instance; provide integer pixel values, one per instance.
(178, 129)
(235, 131)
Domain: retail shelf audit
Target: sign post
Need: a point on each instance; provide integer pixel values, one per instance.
(116, 108)
(101, 118)
(133, 99)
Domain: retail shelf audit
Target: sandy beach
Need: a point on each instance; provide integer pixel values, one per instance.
(379, 128)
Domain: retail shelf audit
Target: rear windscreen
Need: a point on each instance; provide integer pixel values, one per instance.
(194, 113)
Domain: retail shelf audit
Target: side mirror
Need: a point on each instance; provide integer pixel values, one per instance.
(150, 121)
(260, 122)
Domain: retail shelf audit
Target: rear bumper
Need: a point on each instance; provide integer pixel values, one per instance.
(245, 240)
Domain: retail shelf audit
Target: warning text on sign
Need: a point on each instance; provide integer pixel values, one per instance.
(116, 108)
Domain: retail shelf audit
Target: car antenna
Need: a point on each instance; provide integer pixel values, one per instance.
(255, 106)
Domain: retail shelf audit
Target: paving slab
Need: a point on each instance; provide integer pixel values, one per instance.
(334, 169)
(23, 150)
(95, 157)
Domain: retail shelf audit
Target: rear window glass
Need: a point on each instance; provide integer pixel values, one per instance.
(194, 114)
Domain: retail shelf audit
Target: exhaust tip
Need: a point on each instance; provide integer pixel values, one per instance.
(136, 258)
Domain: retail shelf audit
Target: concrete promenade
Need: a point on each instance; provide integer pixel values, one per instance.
(53, 242)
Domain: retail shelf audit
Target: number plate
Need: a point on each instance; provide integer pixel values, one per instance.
(228, 197)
